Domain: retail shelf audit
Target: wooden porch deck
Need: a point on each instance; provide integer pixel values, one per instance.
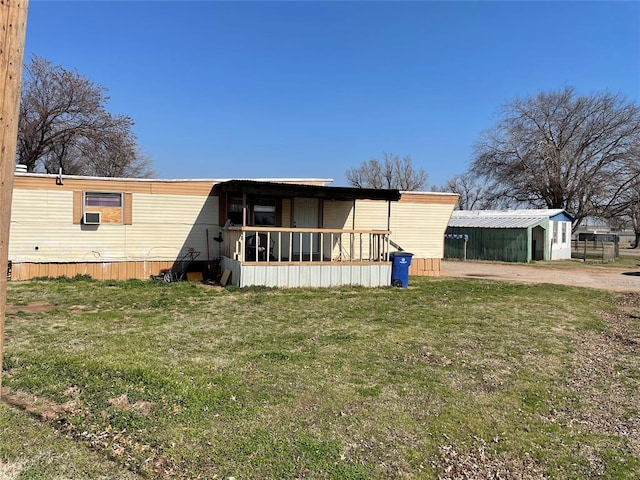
(305, 245)
(306, 257)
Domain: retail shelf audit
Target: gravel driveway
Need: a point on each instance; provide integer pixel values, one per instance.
(604, 278)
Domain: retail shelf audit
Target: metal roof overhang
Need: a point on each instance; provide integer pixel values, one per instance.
(289, 190)
(495, 222)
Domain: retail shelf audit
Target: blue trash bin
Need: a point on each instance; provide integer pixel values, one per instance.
(400, 262)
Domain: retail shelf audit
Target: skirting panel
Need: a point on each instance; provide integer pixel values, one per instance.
(97, 271)
(425, 267)
(280, 276)
(309, 275)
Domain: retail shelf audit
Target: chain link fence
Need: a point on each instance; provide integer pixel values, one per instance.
(594, 246)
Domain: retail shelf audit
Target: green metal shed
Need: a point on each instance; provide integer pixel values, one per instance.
(508, 235)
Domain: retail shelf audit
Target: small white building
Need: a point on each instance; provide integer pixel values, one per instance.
(521, 235)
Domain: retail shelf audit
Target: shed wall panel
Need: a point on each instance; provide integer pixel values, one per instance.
(497, 244)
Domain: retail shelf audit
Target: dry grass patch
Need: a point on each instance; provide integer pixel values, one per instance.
(11, 471)
(482, 461)
(35, 307)
(140, 407)
(606, 381)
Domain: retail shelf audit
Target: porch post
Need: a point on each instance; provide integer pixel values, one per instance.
(244, 209)
(353, 217)
(292, 217)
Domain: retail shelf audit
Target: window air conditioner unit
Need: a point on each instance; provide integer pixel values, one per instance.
(91, 218)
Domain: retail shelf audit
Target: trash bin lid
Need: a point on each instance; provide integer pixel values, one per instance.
(401, 254)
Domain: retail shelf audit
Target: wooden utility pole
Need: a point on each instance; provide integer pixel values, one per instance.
(13, 23)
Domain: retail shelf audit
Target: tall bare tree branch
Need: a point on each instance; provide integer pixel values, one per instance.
(472, 194)
(391, 172)
(64, 124)
(562, 150)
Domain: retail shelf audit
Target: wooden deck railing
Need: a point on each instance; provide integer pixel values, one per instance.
(312, 245)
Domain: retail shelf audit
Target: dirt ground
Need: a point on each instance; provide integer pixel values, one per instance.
(604, 278)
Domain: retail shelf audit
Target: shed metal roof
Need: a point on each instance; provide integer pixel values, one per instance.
(503, 218)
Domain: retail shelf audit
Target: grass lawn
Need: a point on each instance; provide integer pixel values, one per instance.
(451, 378)
(624, 261)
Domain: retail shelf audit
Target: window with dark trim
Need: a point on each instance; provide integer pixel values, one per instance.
(234, 210)
(102, 199)
(264, 212)
(261, 211)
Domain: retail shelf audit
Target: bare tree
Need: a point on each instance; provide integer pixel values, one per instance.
(562, 150)
(624, 209)
(631, 216)
(64, 124)
(392, 172)
(473, 195)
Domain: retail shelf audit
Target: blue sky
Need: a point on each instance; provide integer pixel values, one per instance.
(310, 89)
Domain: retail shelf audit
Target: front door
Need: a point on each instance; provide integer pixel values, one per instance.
(305, 215)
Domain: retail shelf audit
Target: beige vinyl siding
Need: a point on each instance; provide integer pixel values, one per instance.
(36, 216)
(162, 227)
(338, 215)
(371, 214)
(419, 228)
(418, 223)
